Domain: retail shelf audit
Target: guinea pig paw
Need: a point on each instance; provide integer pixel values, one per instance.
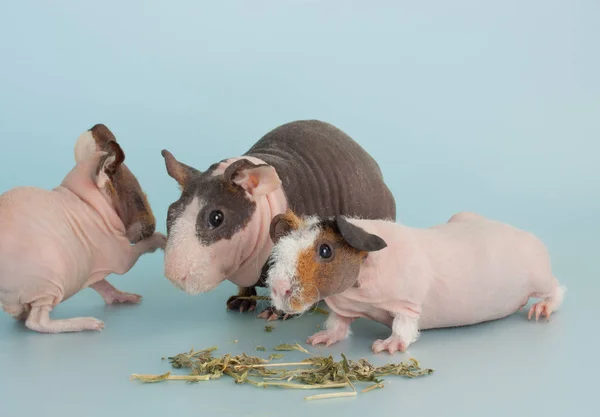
(392, 344)
(325, 337)
(159, 241)
(271, 314)
(89, 323)
(124, 298)
(98, 325)
(541, 308)
(241, 304)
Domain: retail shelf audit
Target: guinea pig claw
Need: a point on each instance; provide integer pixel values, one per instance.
(126, 298)
(272, 314)
(264, 315)
(391, 344)
(249, 306)
(240, 304)
(543, 307)
(325, 337)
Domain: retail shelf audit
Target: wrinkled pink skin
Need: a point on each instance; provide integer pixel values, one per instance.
(55, 243)
(196, 268)
(467, 271)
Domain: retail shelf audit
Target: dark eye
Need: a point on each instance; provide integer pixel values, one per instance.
(215, 218)
(325, 251)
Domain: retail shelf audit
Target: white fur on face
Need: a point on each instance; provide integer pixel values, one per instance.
(85, 146)
(284, 260)
(190, 265)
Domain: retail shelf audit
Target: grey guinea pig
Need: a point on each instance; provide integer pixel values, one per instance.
(219, 227)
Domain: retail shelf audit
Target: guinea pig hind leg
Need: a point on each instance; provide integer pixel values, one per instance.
(19, 312)
(336, 328)
(405, 331)
(549, 303)
(133, 253)
(39, 320)
(111, 295)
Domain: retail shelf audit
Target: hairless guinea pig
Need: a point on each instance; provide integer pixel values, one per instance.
(55, 243)
(219, 227)
(466, 271)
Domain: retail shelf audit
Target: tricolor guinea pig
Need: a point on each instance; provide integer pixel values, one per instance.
(55, 243)
(466, 271)
(218, 229)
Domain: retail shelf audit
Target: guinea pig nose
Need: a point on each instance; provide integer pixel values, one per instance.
(281, 288)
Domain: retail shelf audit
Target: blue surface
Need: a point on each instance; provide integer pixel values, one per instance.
(491, 107)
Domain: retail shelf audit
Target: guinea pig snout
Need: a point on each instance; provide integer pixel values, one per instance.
(281, 288)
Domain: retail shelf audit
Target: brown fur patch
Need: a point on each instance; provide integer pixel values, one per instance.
(282, 224)
(320, 278)
(110, 190)
(217, 194)
(132, 203)
(294, 221)
(124, 190)
(102, 135)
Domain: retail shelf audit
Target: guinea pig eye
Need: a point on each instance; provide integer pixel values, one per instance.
(325, 251)
(215, 218)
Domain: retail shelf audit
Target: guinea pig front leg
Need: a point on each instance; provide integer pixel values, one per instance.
(242, 301)
(151, 244)
(336, 328)
(133, 253)
(405, 330)
(39, 320)
(111, 295)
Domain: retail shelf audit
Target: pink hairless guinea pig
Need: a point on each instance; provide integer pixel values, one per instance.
(466, 271)
(55, 243)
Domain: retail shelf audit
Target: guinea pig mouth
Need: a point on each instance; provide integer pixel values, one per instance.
(195, 286)
(289, 310)
(296, 305)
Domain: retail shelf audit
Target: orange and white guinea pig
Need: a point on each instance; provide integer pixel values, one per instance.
(465, 271)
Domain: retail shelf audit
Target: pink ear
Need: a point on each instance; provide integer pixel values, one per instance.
(258, 180)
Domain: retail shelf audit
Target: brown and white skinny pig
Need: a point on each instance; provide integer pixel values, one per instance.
(55, 243)
(466, 271)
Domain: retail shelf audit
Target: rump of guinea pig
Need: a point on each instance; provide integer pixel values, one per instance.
(466, 271)
(55, 243)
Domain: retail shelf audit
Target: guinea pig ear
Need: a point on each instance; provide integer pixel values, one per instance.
(102, 135)
(92, 140)
(176, 170)
(256, 179)
(282, 224)
(109, 163)
(357, 237)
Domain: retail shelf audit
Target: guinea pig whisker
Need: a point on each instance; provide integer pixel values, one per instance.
(315, 305)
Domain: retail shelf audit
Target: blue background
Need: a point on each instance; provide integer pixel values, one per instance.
(491, 107)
